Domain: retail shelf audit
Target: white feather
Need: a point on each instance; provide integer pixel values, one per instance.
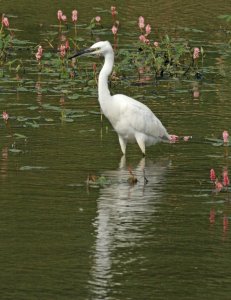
(131, 119)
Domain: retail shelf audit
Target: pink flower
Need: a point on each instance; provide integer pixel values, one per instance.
(74, 15)
(114, 29)
(148, 29)
(225, 178)
(39, 53)
(147, 41)
(62, 50)
(225, 135)
(212, 175)
(196, 94)
(173, 138)
(196, 53)
(187, 138)
(113, 11)
(5, 116)
(142, 38)
(40, 49)
(59, 15)
(141, 22)
(219, 186)
(98, 19)
(5, 22)
(64, 18)
(156, 44)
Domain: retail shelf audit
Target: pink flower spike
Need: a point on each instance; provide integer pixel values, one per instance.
(187, 138)
(62, 50)
(225, 178)
(59, 15)
(173, 138)
(147, 41)
(219, 186)
(114, 29)
(148, 29)
(141, 22)
(64, 18)
(142, 38)
(74, 16)
(5, 22)
(39, 53)
(113, 11)
(212, 175)
(225, 135)
(98, 19)
(156, 44)
(5, 116)
(196, 53)
(38, 56)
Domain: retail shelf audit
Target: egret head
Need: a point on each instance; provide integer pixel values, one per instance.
(99, 48)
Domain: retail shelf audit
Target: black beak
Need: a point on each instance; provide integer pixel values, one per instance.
(82, 52)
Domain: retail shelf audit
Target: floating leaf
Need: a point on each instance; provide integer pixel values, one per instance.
(32, 107)
(31, 124)
(52, 107)
(49, 120)
(22, 89)
(29, 168)
(19, 136)
(217, 144)
(21, 119)
(14, 150)
(66, 119)
(227, 18)
(73, 97)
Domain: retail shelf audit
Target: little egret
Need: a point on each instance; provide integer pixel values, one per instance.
(131, 119)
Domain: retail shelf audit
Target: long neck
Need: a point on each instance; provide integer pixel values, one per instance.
(103, 89)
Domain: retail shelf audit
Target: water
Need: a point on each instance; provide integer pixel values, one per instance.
(167, 239)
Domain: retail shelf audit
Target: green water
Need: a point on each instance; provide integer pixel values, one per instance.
(63, 239)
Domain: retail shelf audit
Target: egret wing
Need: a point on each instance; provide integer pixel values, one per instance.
(139, 116)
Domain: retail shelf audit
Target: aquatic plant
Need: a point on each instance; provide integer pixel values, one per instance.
(5, 38)
(225, 136)
(5, 116)
(212, 175)
(150, 56)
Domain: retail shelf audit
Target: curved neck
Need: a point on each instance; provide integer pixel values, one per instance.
(103, 89)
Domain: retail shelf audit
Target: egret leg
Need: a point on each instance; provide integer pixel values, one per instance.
(141, 143)
(123, 144)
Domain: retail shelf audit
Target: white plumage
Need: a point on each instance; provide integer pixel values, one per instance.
(131, 119)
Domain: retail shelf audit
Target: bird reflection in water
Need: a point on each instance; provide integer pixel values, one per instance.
(123, 212)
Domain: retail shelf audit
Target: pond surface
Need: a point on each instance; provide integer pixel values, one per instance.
(169, 238)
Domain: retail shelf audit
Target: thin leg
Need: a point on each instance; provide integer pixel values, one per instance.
(141, 144)
(123, 144)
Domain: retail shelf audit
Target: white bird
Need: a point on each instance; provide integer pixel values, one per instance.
(131, 119)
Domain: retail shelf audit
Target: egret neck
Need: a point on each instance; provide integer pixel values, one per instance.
(103, 90)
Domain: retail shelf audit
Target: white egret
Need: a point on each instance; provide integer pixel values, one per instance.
(131, 119)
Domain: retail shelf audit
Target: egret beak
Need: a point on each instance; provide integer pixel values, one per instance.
(83, 52)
